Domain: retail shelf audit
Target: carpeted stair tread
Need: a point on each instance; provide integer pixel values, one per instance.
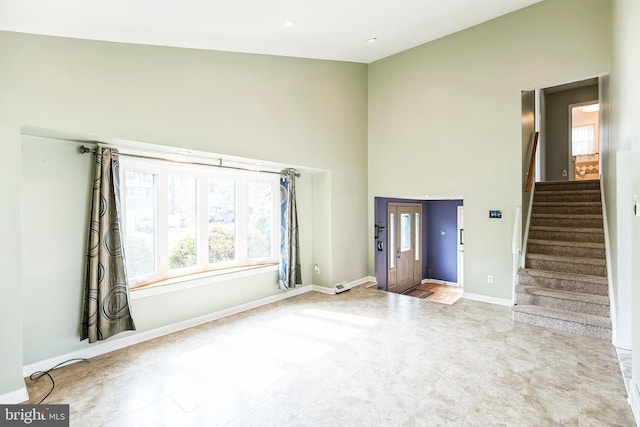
(587, 183)
(566, 216)
(567, 229)
(598, 280)
(566, 259)
(564, 207)
(567, 316)
(562, 203)
(594, 245)
(567, 193)
(565, 295)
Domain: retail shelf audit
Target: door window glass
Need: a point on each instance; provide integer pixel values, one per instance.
(417, 227)
(392, 241)
(405, 232)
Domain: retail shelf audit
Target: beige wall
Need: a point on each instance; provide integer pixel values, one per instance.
(444, 118)
(306, 113)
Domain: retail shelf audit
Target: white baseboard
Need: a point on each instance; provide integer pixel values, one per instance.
(361, 281)
(324, 290)
(634, 401)
(108, 346)
(350, 285)
(13, 397)
(487, 299)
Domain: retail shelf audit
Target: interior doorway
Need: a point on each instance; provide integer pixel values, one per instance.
(436, 238)
(583, 141)
(556, 130)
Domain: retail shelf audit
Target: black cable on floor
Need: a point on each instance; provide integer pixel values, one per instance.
(39, 374)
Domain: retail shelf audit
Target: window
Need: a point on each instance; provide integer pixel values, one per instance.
(405, 232)
(181, 220)
(583, 140)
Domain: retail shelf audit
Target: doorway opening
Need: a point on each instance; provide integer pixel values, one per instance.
(418, 247)
(583, 137)
(566, 117)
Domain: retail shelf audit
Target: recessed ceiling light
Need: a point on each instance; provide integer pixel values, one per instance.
(591, 108)
(290, 23)
(259, 163)
(372, 40)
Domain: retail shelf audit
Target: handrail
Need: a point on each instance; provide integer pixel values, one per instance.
(532, 163)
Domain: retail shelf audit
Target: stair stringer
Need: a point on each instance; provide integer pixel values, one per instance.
(607, 253)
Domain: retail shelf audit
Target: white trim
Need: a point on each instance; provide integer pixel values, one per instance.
(13, 397)
(324, 290)
(201, 281)
(491, 300)
(613, 315)
(525, 238)
(634, 400)
(361, 281)
(350, 285)
(108, 346)
(439, 282)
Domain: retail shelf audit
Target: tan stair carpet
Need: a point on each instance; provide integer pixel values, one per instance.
(564, 283)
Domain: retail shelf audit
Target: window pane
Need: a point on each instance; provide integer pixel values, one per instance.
(417, 225)
(259, 219)
(140, 224)
(222, 220)
(583, 140)
(181, 221)
(392, 241)
(405, 232)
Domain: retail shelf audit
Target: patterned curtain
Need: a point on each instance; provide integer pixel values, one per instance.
(106, 303)
(290, 272)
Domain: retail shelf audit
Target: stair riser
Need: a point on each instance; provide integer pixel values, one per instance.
(541, 197)
(563, 325)
(594, 209)
(563, 285)
(567, 267)
(567, 222)
(563, 304)
(569, 186)
(567, 236)
(566, 251)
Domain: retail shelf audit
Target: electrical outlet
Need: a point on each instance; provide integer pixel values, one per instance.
(316, 269)
(490, 278)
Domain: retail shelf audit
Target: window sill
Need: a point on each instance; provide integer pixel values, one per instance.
(199, 279)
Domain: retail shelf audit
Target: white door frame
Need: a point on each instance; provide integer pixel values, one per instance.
(460, 246)
(572, 165)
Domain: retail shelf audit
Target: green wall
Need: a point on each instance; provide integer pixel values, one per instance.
(307, 113)
(444, 118)
(440, 119)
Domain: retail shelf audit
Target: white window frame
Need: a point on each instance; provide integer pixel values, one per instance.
(202, 174)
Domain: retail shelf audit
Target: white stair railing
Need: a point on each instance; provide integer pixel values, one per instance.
(516, 246)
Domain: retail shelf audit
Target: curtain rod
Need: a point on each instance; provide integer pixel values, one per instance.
(84, 150)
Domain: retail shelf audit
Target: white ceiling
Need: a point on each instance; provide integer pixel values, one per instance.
(327, 29)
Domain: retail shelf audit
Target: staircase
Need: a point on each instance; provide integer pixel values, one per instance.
(564, 283)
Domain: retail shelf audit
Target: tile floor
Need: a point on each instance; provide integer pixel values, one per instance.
(361, 358)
